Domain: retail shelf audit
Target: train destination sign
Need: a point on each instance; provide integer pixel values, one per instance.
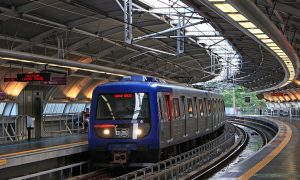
(25, 77)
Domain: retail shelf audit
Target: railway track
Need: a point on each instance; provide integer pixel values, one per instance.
(200, 162)
(265, 132)
(224, 160)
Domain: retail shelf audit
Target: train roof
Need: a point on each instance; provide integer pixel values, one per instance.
(148, 86)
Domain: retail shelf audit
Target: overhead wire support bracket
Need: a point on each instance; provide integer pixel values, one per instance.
(180, 32)
(165, 31)
(128, 21)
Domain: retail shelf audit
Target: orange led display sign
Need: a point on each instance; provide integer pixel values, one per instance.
(25, 77)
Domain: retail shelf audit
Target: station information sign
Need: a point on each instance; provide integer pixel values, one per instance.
(56, 81)
(278, 94)
(25, 77)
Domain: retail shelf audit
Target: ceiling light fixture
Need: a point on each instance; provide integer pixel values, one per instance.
(233, 13)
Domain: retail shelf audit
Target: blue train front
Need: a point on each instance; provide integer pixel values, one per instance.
(124, 123)
(138, 120)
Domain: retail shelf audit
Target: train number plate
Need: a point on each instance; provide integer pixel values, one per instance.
(122, 132)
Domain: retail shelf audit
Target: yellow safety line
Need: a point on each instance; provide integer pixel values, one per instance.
(270, 156)
(42, 149)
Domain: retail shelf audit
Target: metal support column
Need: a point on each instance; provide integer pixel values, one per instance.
(37, 113)
(128, 21)
(212, 63)
(180, 35)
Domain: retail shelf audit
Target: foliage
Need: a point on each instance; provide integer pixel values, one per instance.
(240, 94)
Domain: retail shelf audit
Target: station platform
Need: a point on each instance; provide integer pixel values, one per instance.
(42, 149)
(278, 159)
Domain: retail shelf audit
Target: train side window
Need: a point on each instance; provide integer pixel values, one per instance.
(190, 107)
(183, 106)
(196, 111)
(209, 106)
(168, 106)
(201, 107)
(176, 108)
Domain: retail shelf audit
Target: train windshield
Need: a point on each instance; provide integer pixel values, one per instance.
(123, 106)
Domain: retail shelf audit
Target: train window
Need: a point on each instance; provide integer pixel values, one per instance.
(168, 107)
(124, 106)
(190, 107)
(201, 109)
(196, 111)
(183, 106)
(176, 107)
(209, 106)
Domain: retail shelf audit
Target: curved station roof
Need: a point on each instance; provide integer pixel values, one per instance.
(251, 43)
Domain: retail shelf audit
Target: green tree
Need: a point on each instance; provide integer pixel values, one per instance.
(240, 94)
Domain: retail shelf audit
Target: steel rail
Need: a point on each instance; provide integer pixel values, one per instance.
(240, 145)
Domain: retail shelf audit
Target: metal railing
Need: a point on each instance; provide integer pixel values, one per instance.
(12, 129)
(62, 124)
(60, 173)
(182, 164)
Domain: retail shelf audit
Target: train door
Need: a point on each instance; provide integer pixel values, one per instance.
(168, 101)
(205, 116)
(201, 119)
(177, 119)
(212, 113)
(161, 118)
(190, 110)
(184, 116)
(196, 114)
(210, 119)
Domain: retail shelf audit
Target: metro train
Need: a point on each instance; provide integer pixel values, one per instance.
(141, 120)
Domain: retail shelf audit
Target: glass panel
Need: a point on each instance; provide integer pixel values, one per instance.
(2, 105)
(8, 109)
(68, 108)
(88, 105)
(14, 111)
(126, 106)
(176, 107)
(190, 108)
(167, 107)
(201, 107)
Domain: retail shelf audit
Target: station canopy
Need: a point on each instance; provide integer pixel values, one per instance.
(179, 41)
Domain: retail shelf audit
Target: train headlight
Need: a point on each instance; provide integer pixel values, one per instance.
(106, 131)
(139, 132)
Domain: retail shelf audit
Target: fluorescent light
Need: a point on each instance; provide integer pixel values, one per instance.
(262, 36)
(267, 40)
(238, 17)
(271, 44)
(278, 51)
(281, 54)
(225, 7)
(255, 31)
(275, 47)
(247, 25)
